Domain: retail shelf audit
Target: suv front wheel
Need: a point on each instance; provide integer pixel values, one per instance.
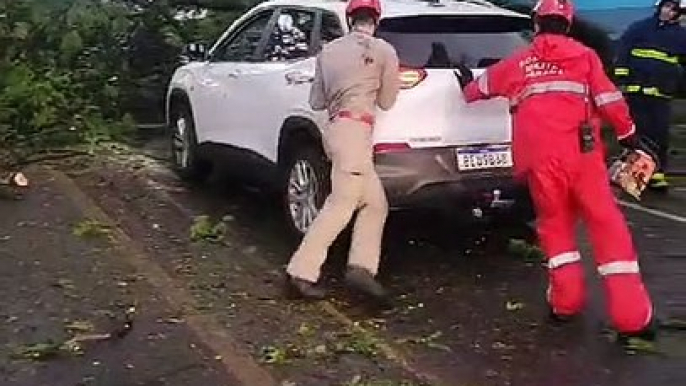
(307, 184)
(184, 145)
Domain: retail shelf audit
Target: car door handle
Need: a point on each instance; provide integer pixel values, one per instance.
(298, 77)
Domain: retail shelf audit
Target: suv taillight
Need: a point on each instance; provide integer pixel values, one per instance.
(410, 77)
(390, 147)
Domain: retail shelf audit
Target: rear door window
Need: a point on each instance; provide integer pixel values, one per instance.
(449, 41)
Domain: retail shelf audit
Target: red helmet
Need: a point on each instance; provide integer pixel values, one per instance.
(563, 8)
(355, 5)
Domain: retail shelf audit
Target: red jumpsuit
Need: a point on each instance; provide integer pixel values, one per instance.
(554, 86)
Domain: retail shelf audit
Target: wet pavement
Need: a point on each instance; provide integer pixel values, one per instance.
(62, 279)
(467, 311)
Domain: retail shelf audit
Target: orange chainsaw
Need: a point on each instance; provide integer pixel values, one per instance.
(632, 170)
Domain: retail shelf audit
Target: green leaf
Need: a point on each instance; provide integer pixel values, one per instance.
(71, 44)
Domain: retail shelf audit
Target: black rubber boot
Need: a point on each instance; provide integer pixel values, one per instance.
(363, 281)
(649, 333)
(303, 289)
(558, 318)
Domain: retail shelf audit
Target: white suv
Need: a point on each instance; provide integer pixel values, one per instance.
(245, 104)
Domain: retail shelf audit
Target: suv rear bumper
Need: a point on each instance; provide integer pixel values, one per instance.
(429, 178)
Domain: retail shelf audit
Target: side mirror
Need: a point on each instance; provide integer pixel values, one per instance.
(194, 52)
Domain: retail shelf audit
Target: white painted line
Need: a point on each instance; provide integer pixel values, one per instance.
(654, 212)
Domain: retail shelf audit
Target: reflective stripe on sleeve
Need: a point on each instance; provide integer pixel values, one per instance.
(654, 54)
(564, 259)
(608, 97)
(619, 268)
(629, 133)
(652, 91)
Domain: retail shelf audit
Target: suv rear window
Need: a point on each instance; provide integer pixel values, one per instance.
(446, 41)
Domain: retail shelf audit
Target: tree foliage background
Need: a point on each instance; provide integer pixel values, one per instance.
(81, 71)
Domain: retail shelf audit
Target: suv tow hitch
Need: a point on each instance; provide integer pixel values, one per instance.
(492, 201)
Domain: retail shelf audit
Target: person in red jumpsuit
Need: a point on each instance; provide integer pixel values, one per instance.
(559, 93)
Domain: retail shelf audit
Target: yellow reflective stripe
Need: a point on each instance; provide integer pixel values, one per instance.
(619, 268)
(621, 71)
(654, 54)
(652, 91)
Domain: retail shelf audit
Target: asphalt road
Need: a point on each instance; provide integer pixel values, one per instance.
(58, 283)
(468, 312)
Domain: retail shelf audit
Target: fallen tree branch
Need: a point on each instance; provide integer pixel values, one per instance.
(74, 345)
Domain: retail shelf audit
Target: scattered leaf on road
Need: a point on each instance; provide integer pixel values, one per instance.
(273, 355)
(80, 326)
(91, 228)
(514, 306)
(204, 229)
(640, 346)
(429, 341)
(526, 251)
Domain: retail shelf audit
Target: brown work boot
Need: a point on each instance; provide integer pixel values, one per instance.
(300, 288)
(363, 280)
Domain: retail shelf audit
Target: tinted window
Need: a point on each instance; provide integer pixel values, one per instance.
(443, 41)
(331, 27)
(291, 37)
(241, 47)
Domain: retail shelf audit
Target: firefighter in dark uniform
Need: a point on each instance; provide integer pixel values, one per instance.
(648, 67)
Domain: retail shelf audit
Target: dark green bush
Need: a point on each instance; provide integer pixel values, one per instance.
(74, 71)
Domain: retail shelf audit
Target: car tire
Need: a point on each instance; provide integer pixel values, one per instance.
(307, 163)
(186, 162)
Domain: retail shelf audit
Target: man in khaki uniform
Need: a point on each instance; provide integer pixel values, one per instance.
(354, 74)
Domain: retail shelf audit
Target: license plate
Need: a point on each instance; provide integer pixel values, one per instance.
(484, 158)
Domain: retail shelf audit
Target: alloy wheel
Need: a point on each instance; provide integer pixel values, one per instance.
(303, 191)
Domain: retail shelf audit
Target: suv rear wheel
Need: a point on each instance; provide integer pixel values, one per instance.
(184, 145)
(307, 184)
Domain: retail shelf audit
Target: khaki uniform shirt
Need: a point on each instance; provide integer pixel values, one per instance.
(357, 73)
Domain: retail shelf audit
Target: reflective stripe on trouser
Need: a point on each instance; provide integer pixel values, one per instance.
(649, 91)
(566, 287)
(628, 302)
(563, 191)
(351, 190)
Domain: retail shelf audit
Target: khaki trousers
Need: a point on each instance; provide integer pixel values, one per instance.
(355, 186)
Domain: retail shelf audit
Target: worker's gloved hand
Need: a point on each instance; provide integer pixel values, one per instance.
(464, 75)
(630, 142)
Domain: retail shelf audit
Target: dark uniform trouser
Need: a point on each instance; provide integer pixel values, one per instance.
(652, 116)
